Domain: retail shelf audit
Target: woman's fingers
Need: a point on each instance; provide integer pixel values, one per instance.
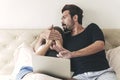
(56, 48)
(51, 35)
(55, 35)
(45, 34)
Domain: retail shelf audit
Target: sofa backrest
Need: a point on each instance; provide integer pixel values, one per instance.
(112, 38)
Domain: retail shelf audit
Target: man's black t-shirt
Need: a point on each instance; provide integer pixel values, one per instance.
(95, 62)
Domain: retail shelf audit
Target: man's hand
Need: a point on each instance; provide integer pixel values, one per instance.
(63, 53)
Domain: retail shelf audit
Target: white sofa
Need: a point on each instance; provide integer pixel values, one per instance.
(10, 39)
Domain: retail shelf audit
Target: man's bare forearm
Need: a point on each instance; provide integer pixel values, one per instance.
(91, 49)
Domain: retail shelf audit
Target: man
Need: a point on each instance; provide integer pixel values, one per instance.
(84, 46)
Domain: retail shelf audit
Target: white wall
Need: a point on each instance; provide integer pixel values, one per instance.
(43, 13)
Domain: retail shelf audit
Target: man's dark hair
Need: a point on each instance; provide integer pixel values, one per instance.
(74, 10)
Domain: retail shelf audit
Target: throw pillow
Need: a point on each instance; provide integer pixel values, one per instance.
(113, 56)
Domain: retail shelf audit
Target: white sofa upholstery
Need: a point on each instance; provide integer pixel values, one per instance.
(10, 39)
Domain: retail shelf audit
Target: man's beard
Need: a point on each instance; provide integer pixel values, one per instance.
(66, 30)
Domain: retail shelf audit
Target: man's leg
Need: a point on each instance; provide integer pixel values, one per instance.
(82, 76)
(107, 76)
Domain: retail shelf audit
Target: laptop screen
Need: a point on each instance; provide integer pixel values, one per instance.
(52, 66)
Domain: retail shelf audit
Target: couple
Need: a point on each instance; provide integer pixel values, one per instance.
(83, 46)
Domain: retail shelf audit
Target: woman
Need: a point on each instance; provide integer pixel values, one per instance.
(43, 46)
(46, 41)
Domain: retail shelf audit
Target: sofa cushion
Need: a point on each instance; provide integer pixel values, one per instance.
(113, 56)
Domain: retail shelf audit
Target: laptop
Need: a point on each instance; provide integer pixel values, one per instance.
(53, 66)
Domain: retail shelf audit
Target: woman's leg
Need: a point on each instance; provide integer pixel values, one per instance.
(22, 58)
(38, 76)
(23, 64)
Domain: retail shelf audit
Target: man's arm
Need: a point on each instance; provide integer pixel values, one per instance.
(89, 50)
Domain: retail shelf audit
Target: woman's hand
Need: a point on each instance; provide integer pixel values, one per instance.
(45, 34)
(55, 35)
(58, 43)
(48, 42)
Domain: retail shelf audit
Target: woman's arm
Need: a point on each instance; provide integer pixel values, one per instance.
(43, 43)
(41, 39)
(38, 43)
(42, 49)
